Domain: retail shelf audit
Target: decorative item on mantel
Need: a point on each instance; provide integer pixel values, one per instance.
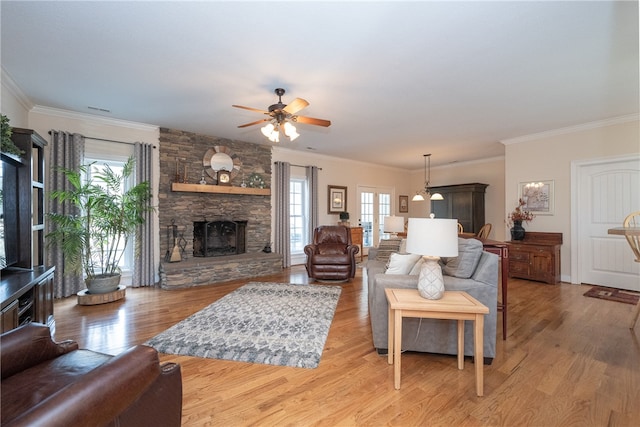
(344, 219)
(516, 217)
(177, 177)
(256, 181)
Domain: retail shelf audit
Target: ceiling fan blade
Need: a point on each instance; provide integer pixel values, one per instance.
(251, 109)
(295, 106)
(312, 121)
(254, 123)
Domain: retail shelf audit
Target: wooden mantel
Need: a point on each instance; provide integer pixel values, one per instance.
(219, 189)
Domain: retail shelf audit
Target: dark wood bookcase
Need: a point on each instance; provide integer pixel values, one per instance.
(26, 286)
(464, 202)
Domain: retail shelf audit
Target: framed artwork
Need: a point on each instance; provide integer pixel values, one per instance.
(537, 196)
(337, 199)
(403, 204)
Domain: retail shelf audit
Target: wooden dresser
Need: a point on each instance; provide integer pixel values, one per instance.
(356, 238)
(537, 257)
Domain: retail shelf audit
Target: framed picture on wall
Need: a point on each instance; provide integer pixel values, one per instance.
(403, 204)
(537, 196)
(337, 199)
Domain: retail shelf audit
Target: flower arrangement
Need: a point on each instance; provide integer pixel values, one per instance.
(519, 214)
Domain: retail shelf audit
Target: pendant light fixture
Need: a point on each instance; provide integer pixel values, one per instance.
(426, 192)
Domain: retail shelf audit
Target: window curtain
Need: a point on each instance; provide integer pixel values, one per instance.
(282, 243)
(312, 183)
(143, 258)
(67, 151)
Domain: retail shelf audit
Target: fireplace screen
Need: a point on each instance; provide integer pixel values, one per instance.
(219, 238)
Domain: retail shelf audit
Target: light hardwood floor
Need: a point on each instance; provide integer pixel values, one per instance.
(568, 360)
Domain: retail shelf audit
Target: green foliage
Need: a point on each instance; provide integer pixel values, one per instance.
(93, 241)
(7, 144)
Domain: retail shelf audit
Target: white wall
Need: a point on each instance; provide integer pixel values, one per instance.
(347, 173)
(488, 171)
(548, 156)
(13, 103)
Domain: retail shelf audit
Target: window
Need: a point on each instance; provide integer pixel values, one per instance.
(298, 223)
(126, 262)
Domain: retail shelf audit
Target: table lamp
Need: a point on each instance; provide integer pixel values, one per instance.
(432, 238)
(393, 225)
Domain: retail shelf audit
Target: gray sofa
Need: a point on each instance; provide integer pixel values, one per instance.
(435, 335)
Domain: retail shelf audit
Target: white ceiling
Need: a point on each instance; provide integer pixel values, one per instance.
(397, 79)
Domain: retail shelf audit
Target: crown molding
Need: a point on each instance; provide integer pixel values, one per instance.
(14, 89)
(57, 112)
(572, 129)
(333, 159)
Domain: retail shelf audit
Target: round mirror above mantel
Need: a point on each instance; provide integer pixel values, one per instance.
(221, 157)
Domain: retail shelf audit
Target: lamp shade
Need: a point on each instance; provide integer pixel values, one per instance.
(433, 237)
(393, 224)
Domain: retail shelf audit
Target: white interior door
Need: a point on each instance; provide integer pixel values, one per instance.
(607, 193)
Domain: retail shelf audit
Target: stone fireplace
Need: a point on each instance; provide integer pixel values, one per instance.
(219, 238)
(203, 220)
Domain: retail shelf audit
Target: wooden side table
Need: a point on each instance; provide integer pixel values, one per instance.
(502, 250)
(356, 238)
(455, 305)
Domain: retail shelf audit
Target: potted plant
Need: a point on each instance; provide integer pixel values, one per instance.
(8, 147)
(344, 219)
(93, 242)
(516, 217)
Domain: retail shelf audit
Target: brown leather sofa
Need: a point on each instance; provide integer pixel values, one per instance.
(56, 384)
(331, 256)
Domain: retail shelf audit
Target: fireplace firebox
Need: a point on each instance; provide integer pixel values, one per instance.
(219, 238)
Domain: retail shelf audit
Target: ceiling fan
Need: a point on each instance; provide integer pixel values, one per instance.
(281, 116)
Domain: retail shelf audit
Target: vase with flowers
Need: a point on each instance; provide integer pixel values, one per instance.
(516, 217)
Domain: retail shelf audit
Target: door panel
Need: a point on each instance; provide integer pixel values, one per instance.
(609, 192)
(375, 204)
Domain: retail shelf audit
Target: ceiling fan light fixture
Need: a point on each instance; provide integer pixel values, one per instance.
(418, 198)
(437, 196)
(290, 131)
(282, 116)
(267, 130)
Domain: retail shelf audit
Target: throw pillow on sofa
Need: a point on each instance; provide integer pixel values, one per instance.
(463, 266)
(386, 247)
(401, 263)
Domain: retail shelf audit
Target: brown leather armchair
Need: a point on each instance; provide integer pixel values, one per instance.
(56, 384)
(331, 256)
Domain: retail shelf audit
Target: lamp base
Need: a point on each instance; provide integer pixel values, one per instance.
(430, 281)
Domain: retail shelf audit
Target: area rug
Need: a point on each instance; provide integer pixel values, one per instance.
(613, 295)
(271, 323)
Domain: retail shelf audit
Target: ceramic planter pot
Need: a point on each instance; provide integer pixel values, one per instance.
(103, 283)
